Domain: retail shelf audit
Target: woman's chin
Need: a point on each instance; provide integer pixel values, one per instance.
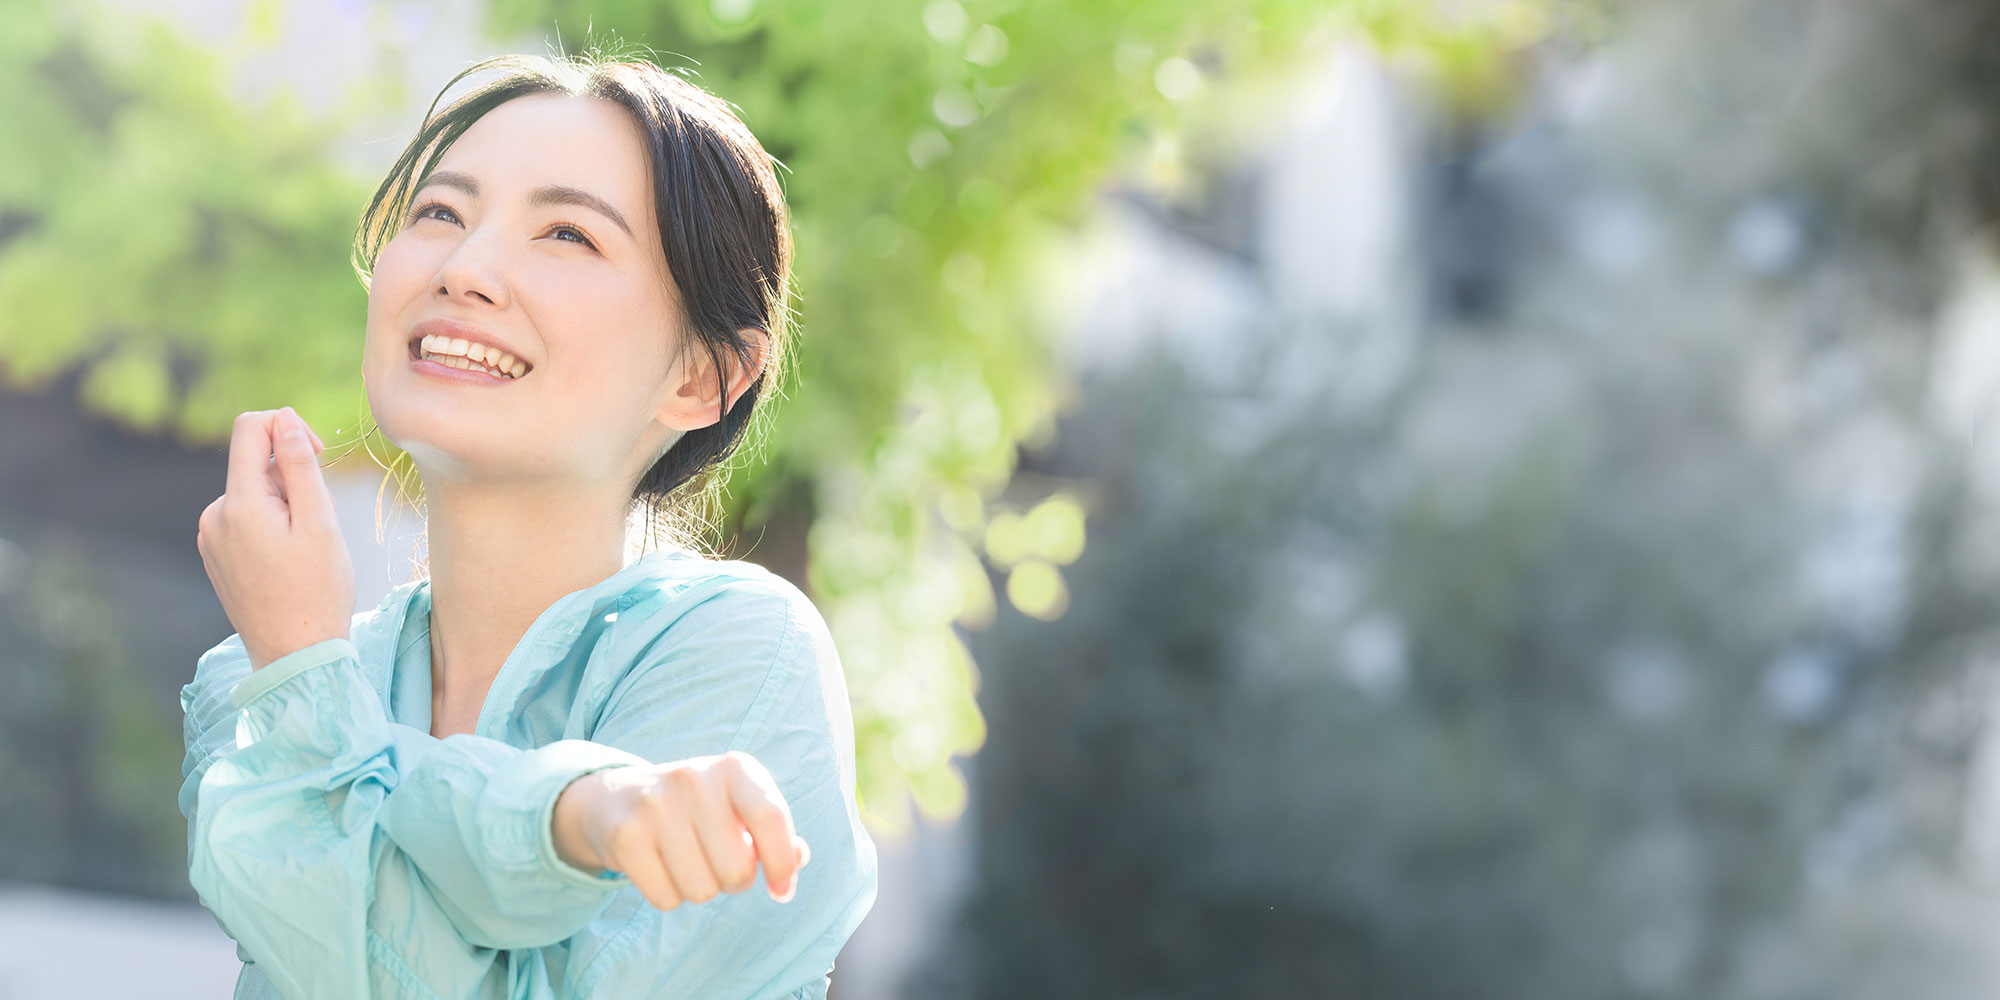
(483, 460)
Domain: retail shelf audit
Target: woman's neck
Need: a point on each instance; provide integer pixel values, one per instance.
(498, 559)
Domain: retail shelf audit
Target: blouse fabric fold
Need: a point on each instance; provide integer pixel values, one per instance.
(351, 854)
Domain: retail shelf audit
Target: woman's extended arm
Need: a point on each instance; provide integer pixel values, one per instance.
(296, 788)
(343, 851)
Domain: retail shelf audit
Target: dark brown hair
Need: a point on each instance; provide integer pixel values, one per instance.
(722, 220)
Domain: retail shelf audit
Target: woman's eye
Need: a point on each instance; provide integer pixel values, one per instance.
(423, 212)
(429, 210)
(578, 233)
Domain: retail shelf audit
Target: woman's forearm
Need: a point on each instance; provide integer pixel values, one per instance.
(566, 823)
(344, 852)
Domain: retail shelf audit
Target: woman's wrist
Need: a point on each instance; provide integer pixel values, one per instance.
(262, 653)
(566, 824)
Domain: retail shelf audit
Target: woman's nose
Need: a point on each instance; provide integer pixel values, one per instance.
(473, 271)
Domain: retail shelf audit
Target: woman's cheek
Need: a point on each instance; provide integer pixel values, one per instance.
(400, 265)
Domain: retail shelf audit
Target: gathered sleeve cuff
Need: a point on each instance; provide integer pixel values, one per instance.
(338, 847)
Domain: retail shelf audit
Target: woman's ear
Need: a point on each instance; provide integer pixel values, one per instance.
(696, 402)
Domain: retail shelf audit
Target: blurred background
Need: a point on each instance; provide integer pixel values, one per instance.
(1350, 498)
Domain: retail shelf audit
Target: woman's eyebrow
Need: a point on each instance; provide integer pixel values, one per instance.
(547, 194)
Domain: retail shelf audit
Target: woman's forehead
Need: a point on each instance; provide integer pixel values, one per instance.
(588, 143)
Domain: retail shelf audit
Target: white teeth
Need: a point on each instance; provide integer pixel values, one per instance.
(477, 357)
(458, 362)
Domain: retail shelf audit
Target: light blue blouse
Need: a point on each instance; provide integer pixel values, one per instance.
(351, 854)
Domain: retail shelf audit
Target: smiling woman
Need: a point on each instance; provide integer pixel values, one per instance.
(546, 770)
(682, 246)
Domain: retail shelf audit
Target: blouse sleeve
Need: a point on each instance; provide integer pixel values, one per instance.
(693, 697)
(303, 803)
(349, 855)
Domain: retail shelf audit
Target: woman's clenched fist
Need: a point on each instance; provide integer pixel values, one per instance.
(682, 831)
(271, 542)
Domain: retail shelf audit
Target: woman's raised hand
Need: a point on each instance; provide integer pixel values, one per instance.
(271, 544)
(682, 831)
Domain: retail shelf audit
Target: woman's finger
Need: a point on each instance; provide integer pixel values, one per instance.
(305, 486)
(634, 852)
(275, 472)
(673, 828)
(249, 450)
(731, 854)
(763, 811)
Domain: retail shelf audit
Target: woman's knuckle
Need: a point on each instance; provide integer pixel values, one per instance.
(661, 811)
(655, 813)
(668, 891)
(710, 790)
(739, 872)
(628, 836)
(759, 809)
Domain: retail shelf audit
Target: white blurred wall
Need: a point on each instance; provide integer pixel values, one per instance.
(64, 944)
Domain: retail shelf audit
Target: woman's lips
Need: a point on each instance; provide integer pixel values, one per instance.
(435, 369)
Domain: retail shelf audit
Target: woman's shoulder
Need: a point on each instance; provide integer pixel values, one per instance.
(681, 581)
(703, 654)
(727, 611)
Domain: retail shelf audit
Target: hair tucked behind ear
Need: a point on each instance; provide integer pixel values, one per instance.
(722, 219)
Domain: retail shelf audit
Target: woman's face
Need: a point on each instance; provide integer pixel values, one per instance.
(536, 235)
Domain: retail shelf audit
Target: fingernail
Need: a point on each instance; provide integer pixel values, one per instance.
(805, 854)
(787, 897)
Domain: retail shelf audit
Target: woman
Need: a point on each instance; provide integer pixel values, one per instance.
(544, 771)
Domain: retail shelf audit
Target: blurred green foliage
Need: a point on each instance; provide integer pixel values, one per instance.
(87, 763)
(180, 247)
(189, 251)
